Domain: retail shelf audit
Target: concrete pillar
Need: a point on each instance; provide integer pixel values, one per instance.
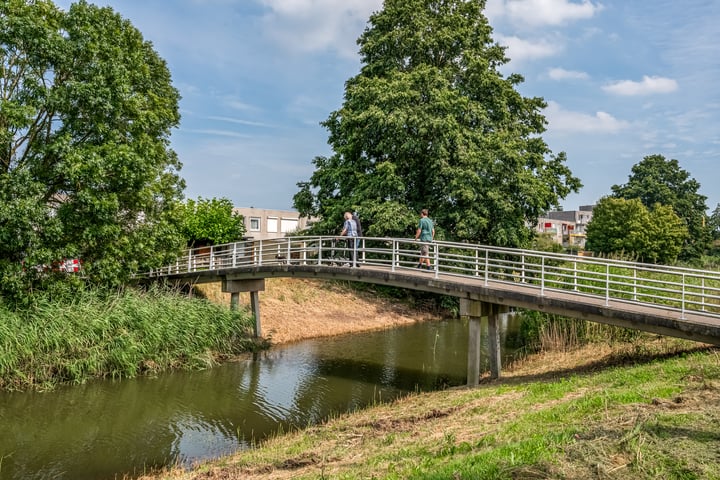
(234, 287)
(474, 347)
(496, 313)
(473, 311)
(255, 305)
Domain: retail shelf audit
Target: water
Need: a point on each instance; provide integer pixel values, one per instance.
(107, 429)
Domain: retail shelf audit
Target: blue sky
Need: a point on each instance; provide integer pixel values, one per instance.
(622, 78)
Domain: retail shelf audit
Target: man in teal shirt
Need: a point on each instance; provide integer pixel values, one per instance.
(425, 233)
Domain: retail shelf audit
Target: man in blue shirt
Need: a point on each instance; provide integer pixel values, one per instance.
(350, 230)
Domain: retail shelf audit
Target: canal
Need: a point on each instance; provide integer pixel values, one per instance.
(107, 429)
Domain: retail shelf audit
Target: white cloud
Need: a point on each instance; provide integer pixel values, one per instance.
(542, 12)
(313, 25)
(519, 49)
(561, 120)
(562, 74)
(648, 86)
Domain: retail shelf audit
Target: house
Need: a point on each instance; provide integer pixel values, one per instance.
(567, 228)
(264, 224)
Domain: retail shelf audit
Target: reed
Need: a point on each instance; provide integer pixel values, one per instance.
(75, 336)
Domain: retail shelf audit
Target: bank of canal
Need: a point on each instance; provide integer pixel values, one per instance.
(112, 428)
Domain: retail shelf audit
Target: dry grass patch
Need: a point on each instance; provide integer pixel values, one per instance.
(294, 309)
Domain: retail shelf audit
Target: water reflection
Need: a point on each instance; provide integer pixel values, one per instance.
(107, 429)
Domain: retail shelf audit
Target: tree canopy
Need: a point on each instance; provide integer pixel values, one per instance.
(211, 222)
(430, 122)
(658, 181)
(627, 228)
(86, 111)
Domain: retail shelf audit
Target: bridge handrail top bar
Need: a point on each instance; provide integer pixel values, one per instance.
(657, 268)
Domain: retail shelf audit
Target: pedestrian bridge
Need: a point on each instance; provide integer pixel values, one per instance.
(673, 301)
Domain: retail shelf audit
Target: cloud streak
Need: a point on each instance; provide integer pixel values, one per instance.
(647, 86)
(543, 12)
(561, 120)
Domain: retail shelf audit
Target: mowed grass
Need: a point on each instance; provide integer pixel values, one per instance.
(649, 414)
(93, 334)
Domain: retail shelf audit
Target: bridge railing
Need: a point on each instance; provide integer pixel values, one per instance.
(674, 288)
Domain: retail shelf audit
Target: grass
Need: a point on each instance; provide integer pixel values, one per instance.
(615, 417)
(95, 334)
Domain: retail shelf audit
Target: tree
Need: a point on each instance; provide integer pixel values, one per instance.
(430, 122)
(211, 221)
(627, 227)
(656, 180)
(86, 109)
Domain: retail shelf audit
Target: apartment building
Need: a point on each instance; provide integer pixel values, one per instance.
(567, 228)
(264, 224)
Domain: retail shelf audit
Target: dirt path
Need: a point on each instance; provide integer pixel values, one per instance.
(294, 309)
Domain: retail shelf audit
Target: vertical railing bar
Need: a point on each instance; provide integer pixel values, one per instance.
(607, 284)
(487, 262)
(682, 305)
(395, 255)
(575, 275)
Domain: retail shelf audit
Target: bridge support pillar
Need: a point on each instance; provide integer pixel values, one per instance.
(474, 310)
(254, 286)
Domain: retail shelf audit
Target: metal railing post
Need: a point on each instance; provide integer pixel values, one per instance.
(682, 305)
(212, 257)
(607, 284)
(234, 255)
(542, 275)
(634, 284)
(436, 252)
(394, 255)
(487, 263)
(575, 280)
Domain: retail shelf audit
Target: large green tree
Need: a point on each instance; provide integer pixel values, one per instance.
(657, 180)
(628, 228)
(86, 111)
(430, 122)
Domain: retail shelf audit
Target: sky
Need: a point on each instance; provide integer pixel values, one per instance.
(622, 79)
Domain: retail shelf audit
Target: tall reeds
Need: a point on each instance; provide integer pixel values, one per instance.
(97, 334)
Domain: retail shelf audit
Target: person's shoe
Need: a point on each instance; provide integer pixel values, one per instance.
(420, 266)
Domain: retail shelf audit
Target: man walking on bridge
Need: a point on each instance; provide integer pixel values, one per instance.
(350, 230)
(425, 233)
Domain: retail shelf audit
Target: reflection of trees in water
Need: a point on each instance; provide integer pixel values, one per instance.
(102, 429)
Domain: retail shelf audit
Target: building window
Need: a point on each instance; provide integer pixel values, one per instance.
(288, 225)
(272, 224)
(254, 224)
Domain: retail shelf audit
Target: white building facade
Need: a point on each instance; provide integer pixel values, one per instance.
(264, 224)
